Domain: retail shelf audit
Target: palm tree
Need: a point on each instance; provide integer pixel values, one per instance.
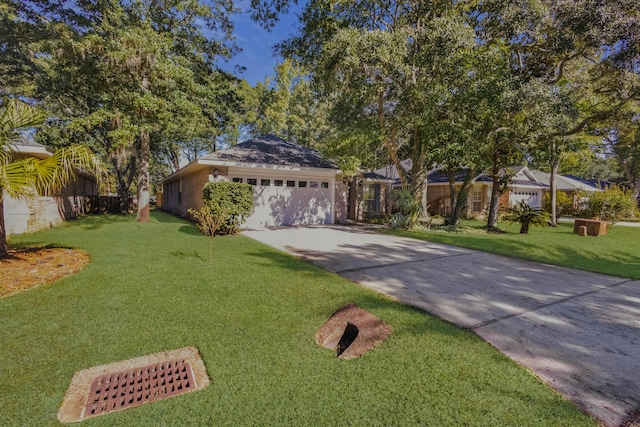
(25, 178)
(526, 216)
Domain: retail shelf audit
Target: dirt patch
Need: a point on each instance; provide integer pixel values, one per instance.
(31, 267)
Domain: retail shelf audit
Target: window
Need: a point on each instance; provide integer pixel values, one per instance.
(278, 182)
(291, 183)
(371, 198)
(477, 199)
(313, 184)
(302, 184)
(324, 185)
(179, 191)
(265, 182)
(252, 181)
(239, 180)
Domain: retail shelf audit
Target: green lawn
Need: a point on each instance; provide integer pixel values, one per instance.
(253, 314)
(617, 253)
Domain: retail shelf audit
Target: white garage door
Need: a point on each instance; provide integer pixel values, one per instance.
(278, 202)
(532, 198)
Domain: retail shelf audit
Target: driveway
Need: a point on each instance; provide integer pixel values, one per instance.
(578, 331)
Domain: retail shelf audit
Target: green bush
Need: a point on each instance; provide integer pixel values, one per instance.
(612, 204)
(230, 200)
(564, 203)
(409, 209)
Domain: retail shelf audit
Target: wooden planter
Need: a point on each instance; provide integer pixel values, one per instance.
(594, 227)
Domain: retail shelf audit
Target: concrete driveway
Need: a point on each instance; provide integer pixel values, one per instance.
(578, 331)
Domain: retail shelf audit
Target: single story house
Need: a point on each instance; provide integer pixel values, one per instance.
(44, 211)
(293, 185)
(524, 187)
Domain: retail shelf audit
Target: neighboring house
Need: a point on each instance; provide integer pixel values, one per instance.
(564, 183)
(293, 185)
(524, 187)
(29, 215)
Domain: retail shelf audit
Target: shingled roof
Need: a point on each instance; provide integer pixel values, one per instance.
(271, 150)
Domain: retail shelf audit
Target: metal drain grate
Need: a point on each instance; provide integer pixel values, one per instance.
(135, 387)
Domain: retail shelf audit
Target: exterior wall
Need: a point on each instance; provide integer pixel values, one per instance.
(356, 206)
(30, 215)
(342, 201)
(438, 200)
(185, 193)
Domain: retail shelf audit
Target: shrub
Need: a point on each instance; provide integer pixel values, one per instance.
(564, 203)
(409, 209)
(526, 215)
(230, 200)
(612, 204)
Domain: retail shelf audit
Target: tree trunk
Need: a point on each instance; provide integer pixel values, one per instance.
(143, 178)
(553, 195)
(4, 248)
(419, 172)
(492, 220)
(461, 199)
(524, 228)
(552, 183)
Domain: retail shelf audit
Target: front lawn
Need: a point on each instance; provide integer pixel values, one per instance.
(253, 314)
(617, 253)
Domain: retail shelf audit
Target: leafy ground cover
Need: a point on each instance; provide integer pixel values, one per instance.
(617, 253)
(252, 313)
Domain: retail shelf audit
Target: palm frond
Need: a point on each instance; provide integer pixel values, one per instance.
(17, 178)
(16, 115)
(53, 173)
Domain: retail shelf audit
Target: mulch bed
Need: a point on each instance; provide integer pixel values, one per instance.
(31, 267)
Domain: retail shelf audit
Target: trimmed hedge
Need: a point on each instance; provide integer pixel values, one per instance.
(231, 199)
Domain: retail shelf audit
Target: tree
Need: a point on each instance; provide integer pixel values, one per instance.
(121, 73)
(24, 178)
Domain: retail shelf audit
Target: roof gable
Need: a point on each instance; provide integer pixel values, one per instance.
(271, 150)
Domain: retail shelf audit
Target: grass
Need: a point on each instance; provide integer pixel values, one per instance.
(616, 254)
(253, 314)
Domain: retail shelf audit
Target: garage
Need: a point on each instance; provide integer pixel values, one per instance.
(291, 199)
(293, 184)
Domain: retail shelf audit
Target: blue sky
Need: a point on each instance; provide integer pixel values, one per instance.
(257, 44)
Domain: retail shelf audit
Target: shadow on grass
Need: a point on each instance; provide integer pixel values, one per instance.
(96, 221)
(380, 303)
(166, 217)
(186, 255)
(288, 262)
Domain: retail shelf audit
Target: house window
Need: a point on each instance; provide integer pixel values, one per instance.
(252, 181)
(302, 184)
(291, 183)
(179, 191)
(324, 185)
(477, 199)
(371, 198)
(265, 182)
(278, 182)
(238, 180)
(313, 184)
